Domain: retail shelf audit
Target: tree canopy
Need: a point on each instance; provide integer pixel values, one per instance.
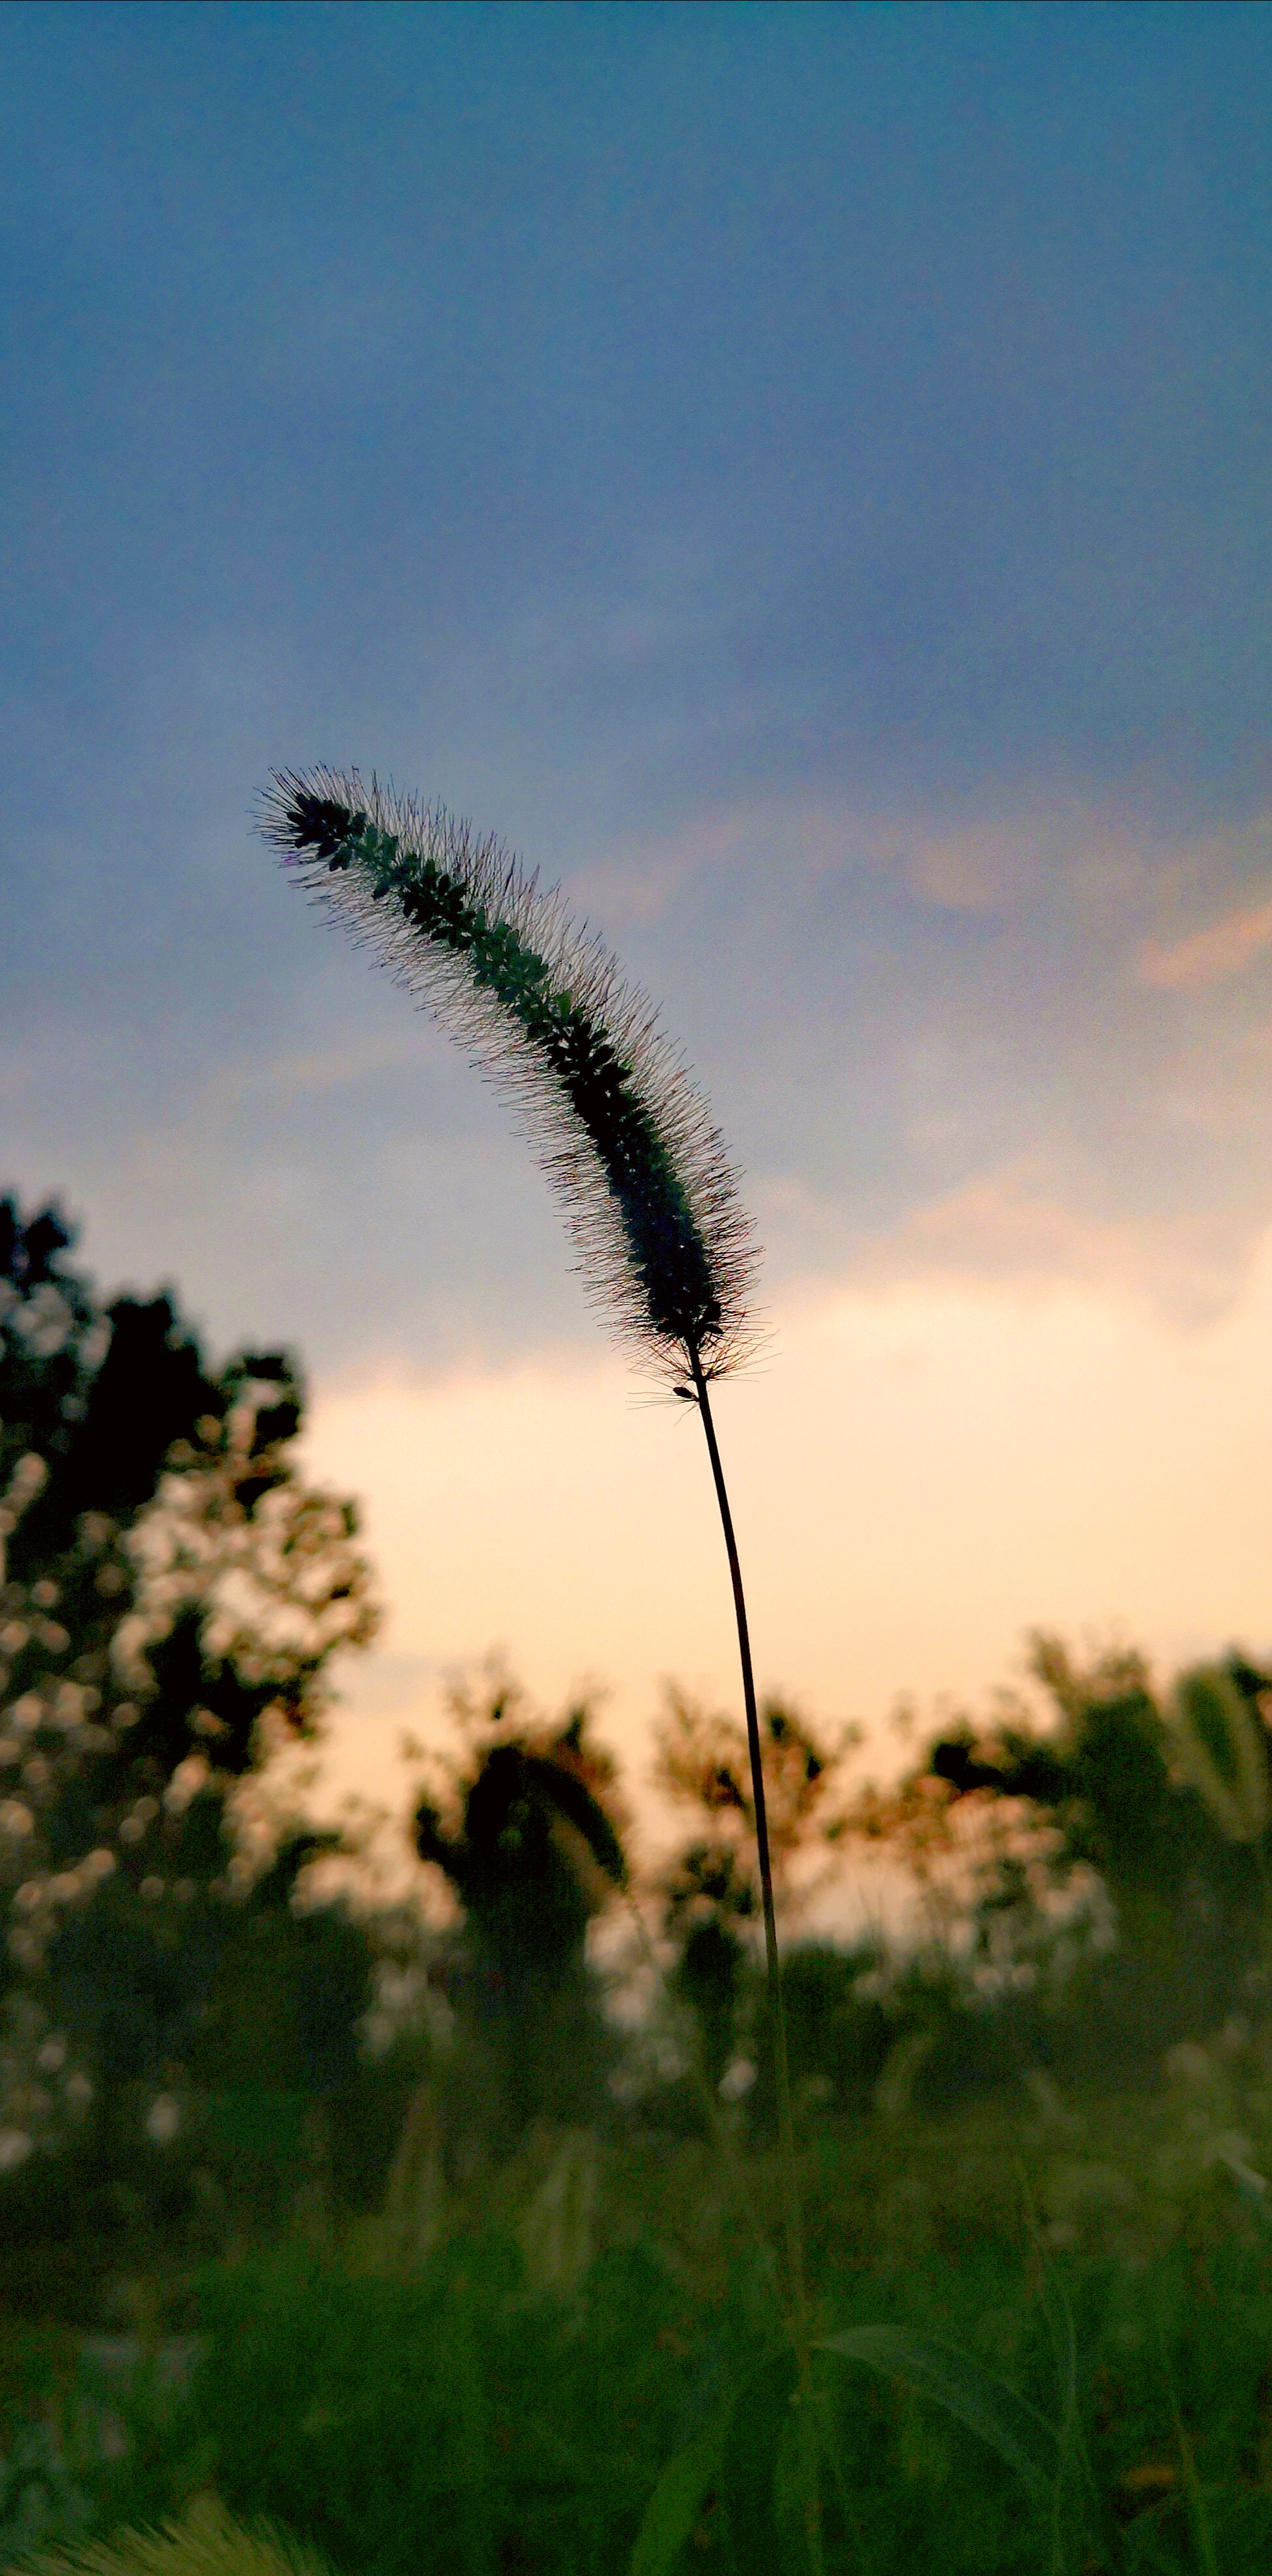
(172, 1593)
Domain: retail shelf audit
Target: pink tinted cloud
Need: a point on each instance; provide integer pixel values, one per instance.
(1009, 1230)
(1206, 956)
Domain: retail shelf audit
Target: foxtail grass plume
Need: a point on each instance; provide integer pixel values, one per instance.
(624, 1134)
(207, 2541)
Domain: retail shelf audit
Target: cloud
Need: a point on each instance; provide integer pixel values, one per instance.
(312, 1073)
(1207, 956)
(922, 1471)
(1048, 855)
(637, 880)
(982, 867)
(1009, 1229)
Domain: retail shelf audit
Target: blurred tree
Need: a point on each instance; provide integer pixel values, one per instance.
(171, 1595)
(710, 1891)
(533, 1851)
(1159, 1804)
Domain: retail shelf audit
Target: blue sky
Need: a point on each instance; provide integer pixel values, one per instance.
(801, 474)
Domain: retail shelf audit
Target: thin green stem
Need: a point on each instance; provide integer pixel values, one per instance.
(792, 2214)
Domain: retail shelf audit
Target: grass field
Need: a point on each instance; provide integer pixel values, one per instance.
(507, 2395)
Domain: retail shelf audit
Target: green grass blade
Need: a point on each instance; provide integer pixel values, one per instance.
(950, 2378)
(674, 2508)
(760, 2483)
(1195, 2502)
(737, 2453)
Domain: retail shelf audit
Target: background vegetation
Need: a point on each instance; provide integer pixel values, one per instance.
(439, 2243)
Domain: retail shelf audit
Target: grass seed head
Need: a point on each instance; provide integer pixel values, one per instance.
(541, 1007)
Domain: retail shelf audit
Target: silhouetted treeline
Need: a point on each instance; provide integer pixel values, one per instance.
(202, 2044)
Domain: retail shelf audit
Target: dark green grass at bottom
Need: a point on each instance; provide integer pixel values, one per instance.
(456, 2422)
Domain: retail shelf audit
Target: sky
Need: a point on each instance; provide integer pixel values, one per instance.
(800, 474)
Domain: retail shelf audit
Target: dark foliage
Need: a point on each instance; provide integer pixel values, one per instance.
(710, 1890)
(1110, 1790)
(534, 1857)
(136, 1482)
(460, 2420)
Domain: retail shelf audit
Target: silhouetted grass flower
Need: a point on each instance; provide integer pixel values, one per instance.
(626, 1137)
(543, 1009)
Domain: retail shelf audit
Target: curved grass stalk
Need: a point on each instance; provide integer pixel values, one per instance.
(792, 2214)
(628, 1143)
